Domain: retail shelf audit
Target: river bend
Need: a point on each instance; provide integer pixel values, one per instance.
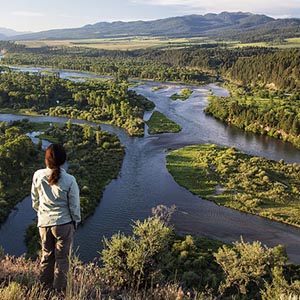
(144, 181)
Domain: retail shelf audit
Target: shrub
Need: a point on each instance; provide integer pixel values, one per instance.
(280, 288)
(133, 262)
(190, 262)
(247, 264)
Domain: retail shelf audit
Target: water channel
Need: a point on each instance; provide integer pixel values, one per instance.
(144, 181)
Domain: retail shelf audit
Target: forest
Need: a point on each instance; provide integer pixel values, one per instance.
(101, 101)
(196, 64)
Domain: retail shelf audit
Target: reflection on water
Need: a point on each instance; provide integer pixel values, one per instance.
(144, 181)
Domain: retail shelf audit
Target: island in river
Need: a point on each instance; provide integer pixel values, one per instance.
(234, 179)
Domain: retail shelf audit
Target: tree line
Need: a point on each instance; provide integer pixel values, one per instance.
(260, 110)
(189, 64)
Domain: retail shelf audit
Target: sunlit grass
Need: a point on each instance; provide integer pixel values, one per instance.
(159, 123)
(28, 112)
(120, 43)
(288, 43)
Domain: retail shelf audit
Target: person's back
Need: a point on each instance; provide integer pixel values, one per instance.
(55, 197)
(53, 205)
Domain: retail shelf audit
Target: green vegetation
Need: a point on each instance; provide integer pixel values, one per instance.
(188, 260)
(19, 158)
(184, 94)
(159, 123)
(156, 88)
(248, 267)
(143, 64)
(133, 262)
(100, 101)
(240, 181)
(155, 264)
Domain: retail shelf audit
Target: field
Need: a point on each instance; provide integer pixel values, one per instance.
(144, 42)
(288, 43)
(124, 43)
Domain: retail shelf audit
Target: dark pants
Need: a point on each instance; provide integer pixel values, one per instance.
(56, 248)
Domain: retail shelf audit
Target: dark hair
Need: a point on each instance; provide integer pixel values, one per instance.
(55, 157)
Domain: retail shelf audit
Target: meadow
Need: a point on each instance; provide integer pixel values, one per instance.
(145, 42)
(287, 43)
(119, 43)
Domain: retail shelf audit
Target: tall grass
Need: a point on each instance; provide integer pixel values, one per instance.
(19, 281)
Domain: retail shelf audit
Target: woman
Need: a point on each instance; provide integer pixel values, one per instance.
(55, 197)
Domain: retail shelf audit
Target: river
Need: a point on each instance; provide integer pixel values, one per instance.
(144, 181)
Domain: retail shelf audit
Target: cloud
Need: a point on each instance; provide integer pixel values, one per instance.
(223, 3)
(268, 7)
(27, 14)
(67, 16)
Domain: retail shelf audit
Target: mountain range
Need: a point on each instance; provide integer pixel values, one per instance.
(226, 25)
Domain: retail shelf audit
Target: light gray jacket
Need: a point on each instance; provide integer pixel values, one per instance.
(55, 204)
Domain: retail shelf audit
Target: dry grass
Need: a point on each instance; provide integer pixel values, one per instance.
(108, 44)
(124, 43)
(19, 281)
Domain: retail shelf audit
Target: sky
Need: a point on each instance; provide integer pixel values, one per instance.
(38, 15)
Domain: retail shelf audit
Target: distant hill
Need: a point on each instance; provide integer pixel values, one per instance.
(224, 25)
(6, 32)
(3, 36)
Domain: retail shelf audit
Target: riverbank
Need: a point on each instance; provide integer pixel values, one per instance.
(234, 179)
(261, 110)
